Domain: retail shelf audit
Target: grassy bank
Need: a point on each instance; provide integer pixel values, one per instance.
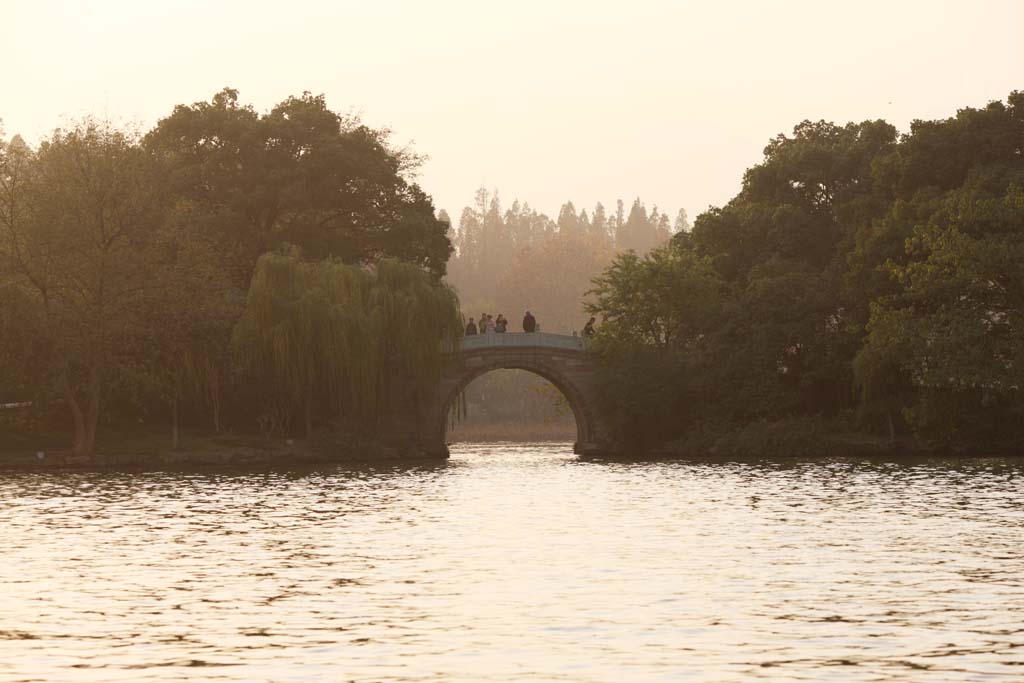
(794, 438)
(805, 437)
(147, 450)
(137, 447)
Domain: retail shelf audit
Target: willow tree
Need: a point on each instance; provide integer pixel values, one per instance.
(416, 317)
(284, 333)
(334, 331)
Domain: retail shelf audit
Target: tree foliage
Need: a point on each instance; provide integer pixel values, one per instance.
(855, 269)
(326, 333)
(300, 174)
(77, 218)
(125, 263)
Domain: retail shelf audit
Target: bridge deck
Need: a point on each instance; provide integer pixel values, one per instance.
(521, 339)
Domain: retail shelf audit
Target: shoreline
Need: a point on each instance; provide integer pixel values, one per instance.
(771, 442)
(150, 452)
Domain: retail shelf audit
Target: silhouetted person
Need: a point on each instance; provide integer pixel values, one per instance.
(489, 325)
(470, 328)
(501, 324)
(529, 323)
(588, 329)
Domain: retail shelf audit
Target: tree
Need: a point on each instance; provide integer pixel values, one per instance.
(443, 216)
(325, 333)
(77, 224)
(568, 220)
(682, 223)
(300, 174)
(669, 298)
(20, 331)
(639, 233)
(658, 314)
(620, 218)
(599, 226)
(183, 350)
(956, 329)
(852, 261)
(584, 223)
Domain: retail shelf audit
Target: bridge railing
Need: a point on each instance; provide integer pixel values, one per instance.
(521, 339)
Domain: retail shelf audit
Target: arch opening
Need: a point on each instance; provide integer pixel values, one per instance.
(574, 400)
(511, 404)
(423, 417)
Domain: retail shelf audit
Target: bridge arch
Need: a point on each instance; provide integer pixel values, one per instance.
(549, 368)
(560, 359)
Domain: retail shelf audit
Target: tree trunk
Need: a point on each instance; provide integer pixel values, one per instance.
(92, 417)
(78, 447)
(174, 414)
(309, 412)
(215, 399)
(85, 421)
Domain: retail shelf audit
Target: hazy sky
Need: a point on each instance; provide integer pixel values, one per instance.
(547, 101)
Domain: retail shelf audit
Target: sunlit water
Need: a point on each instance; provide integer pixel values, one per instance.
(517, 564)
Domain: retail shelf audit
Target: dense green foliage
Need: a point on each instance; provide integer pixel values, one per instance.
(126, 264)
(300, 174)
(858, 274)
(325, 334)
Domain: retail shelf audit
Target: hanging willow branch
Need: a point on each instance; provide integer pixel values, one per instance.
(334, 331)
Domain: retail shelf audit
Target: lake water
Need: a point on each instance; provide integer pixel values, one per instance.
(517, 563)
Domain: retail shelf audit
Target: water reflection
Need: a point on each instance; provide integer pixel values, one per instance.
(517, 563)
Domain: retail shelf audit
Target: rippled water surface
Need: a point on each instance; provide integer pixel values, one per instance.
(517, 563)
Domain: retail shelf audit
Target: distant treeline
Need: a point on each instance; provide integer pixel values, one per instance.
(516, 259)
(225, 267)
(863, 277)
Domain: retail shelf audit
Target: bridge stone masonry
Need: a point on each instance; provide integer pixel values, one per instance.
(422, 420)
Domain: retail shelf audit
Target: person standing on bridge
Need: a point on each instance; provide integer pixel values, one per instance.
(470, 328)
(529, 323)
(588, 329)
(489, 325)
(501, 324)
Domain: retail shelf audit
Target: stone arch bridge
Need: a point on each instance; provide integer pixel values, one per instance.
(561, 359)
